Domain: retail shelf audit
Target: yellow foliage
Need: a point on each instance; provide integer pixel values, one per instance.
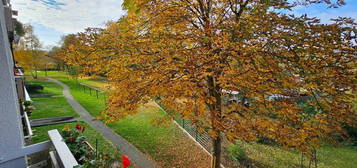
(200, 52)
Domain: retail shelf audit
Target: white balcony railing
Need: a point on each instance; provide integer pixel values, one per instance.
(61, 156)
(28, 126)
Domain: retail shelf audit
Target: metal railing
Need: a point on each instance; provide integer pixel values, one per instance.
(93, 91)
(202, 137)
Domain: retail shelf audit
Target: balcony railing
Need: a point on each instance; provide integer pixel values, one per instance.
(27, 125)
(60, 155)
(20, 85)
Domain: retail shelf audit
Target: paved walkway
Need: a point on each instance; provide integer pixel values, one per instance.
(139, 159)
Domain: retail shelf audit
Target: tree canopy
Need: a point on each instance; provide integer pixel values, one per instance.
(28, 52)
(194, 54)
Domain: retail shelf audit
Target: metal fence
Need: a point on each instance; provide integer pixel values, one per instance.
(99, 94)
(202, 137)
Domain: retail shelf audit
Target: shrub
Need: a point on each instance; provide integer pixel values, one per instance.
(266, 141)
(237, 153)
(352, 133)
(33, 88)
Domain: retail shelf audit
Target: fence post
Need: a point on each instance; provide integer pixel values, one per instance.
(183, 123)
(96, 92)
(90, 91)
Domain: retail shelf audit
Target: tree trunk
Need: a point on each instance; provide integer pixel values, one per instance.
(216, 155)
(216, 117)
(33, 75)
(46, 70)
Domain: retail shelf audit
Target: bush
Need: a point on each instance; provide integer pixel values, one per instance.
(266, 141)
(237, 153)
(33, 88)
(352, 133)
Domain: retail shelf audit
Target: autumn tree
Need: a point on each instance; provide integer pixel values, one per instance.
(28, 52)
(194, 53)
(55, 53)
(81, 51)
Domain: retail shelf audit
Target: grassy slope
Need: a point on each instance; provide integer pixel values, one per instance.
(58, 106)
(154, 140)
(328, 156)
(51, 107)
(48, 87)
(168, 146)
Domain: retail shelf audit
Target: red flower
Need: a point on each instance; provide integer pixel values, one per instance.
(125, 161)
(78, 127)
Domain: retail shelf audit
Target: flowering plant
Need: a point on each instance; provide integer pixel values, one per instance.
(87, 157)
(125, 161)
(28, 107)
(76, 142)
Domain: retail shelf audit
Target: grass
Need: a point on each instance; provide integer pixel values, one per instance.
(272, 156)
(50, 106)
(58, 106)
(168, 146)
(93, 105)
(49, 88)
(90, 134)
(98, 82)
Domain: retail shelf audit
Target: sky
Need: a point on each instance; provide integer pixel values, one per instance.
(54, 18)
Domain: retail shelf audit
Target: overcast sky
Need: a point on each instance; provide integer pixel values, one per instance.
(54, 18)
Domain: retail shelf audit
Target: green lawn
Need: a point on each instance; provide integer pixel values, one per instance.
(51, 107)
(166, 145)
(275, 157)
(93, 104)
(49, 88)
(156, 141)
(56, 105)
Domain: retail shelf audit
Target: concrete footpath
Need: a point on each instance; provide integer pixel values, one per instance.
(136, 156)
